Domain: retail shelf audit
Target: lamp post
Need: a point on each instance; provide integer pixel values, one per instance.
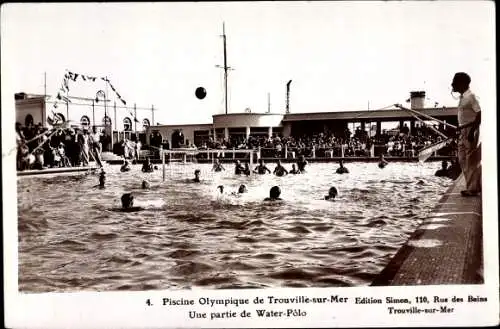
(102, 94)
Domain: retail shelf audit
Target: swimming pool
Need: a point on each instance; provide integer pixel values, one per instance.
(188, 235)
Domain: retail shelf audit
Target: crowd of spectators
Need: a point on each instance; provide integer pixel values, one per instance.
(39, 147)
(397, 142)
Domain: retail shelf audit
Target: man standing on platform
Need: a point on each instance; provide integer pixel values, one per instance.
(469, 119)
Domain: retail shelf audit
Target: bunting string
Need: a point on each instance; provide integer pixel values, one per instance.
(73, 77)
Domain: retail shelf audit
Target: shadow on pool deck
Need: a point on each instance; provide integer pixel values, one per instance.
(445, 249)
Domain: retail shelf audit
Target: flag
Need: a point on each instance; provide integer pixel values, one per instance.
(427, 151)
(75, 76)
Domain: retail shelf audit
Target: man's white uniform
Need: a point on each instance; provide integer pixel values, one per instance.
(469, 153)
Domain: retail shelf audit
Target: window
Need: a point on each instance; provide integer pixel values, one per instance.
(85, 121)
(127, 124)
(107, 121)
(145, 124)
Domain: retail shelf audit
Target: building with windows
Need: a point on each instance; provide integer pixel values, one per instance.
(234, 125)
(116, 121)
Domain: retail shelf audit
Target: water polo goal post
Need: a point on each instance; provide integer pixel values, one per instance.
(187, 155)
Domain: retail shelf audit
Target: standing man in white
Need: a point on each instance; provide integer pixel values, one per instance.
(469, 119)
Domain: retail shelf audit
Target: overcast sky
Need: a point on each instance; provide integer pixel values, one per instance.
(340, 55)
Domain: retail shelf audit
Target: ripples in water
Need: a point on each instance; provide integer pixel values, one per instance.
(189, 235)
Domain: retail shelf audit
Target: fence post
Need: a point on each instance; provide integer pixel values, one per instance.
(342, 150)
(372, 151)
(258, 154)
(314, 152)
(234, 154)
(286, 151)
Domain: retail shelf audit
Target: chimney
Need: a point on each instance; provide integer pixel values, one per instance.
(20, 96)
(417, 99)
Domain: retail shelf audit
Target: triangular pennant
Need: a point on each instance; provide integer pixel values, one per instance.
(93, 79)
(75, 76)
(84, 78)
(58, 96)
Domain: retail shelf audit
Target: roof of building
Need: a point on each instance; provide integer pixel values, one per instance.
(390, 114)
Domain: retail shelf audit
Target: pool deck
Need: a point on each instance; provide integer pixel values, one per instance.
(61, 170)
(455, 229)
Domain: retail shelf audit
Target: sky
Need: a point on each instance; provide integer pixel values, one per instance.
(339, 55)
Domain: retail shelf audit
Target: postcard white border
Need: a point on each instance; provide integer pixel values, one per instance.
(129, 309)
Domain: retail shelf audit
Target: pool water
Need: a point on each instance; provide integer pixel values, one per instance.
(188, 235)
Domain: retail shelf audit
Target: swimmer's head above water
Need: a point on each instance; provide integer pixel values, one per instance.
(274, 194)
(332, 193)
(197, 173)
(102, 178)
(242, 189)
(220, 188)
(145, 184)
(127, 201)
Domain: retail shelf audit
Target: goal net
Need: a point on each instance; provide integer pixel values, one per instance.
(171, 158)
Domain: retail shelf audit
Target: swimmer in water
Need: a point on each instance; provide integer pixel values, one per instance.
(147, 166)
(247, 170)
(382, 162)
(238, 168)
(102, 179)
(332, 193)
(274, 194)
(280, 170)
(125, 166)
(196, 178)
(342, 169)
(294, 170)
(443, 172)
(218, 166)
(145, 185)
(242, 189)
(261, 169)
(128, 203)
(454, 170)
(301, 164)
(220, 188)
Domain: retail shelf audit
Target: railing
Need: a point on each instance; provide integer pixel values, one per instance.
(314, 152)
